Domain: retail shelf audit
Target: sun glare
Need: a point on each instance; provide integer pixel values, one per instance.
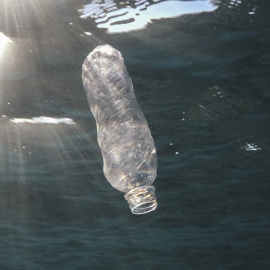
(4, 40)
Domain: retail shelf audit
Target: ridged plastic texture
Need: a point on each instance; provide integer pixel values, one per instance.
(127, 147)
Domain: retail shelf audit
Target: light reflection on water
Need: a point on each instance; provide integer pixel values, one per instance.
(118, 19)
(43, 120)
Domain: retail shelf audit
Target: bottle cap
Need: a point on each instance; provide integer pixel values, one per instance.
(141, 200)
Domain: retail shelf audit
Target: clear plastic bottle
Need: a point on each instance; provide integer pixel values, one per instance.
(127, 147)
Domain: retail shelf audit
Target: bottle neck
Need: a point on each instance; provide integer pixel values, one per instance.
(141, 200)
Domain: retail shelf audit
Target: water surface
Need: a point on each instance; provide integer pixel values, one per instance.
(202, 80)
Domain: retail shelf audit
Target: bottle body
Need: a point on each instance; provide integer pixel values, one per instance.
(127, 147)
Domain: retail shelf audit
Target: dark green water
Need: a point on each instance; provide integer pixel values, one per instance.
(202, 80)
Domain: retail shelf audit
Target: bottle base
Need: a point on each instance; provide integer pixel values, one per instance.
(141, 200)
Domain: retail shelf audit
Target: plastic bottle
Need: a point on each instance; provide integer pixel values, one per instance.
(127, 147)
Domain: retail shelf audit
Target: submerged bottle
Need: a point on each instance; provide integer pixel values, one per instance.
(127, 147)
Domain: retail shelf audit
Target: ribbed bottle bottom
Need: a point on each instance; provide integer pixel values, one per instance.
(141, 200)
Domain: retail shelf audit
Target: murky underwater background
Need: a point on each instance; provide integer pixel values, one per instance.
(201, 76)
